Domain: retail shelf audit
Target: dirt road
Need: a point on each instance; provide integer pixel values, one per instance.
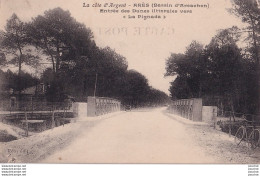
(135, 137)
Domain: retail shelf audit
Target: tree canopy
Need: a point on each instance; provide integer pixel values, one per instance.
(249, 12)
(219, 73)
(78, 67)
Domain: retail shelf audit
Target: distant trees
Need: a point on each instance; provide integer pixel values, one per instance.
(136, 88)
(9, 79)
(156, 97)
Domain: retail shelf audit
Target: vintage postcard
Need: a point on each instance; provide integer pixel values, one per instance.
(123, 82)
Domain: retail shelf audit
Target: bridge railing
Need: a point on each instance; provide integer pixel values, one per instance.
(102, 105)
(187, 108)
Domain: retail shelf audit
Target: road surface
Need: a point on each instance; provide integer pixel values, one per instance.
(144, 136)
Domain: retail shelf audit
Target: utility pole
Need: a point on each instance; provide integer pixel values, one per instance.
(95, 86)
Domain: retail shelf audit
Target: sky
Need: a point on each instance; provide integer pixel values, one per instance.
(146, 44)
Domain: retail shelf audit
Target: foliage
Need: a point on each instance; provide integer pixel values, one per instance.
(60, 36)
(9, 79)
(14, 43)
(249, 12)
(218, 73)
(79, 67)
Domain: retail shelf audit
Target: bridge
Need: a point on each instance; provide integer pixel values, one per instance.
(137, 136)
(194, 110)
(31, 120)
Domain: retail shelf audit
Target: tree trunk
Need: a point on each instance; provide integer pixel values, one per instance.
(52, 59)
(19, 71)
(19, 75)
(258, 73)
(57, 57)
(258, 92)
(258, 76)
(257, 64)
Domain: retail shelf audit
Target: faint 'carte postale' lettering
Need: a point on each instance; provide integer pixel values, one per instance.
(136, 31)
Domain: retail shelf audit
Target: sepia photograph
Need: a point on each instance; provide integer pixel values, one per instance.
(129, 82)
